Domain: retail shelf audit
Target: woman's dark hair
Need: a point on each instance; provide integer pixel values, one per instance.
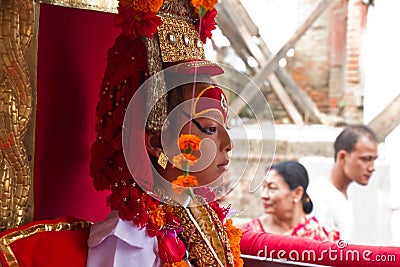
(295, 174)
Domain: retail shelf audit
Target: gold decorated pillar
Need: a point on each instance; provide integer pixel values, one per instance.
(19, 27)
(17, 20)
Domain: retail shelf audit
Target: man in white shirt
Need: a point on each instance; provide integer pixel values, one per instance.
(356, 149)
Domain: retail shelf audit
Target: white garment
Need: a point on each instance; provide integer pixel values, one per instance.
(117, 243)
(331, 207)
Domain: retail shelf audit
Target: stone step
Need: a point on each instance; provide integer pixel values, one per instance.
(291, 141)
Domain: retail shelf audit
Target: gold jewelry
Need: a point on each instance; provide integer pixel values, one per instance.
(198, 221)
(162, 160)
(179, 40)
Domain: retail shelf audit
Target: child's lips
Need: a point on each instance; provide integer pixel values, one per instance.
(224, 165)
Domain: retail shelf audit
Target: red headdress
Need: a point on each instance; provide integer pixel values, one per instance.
(155, 35)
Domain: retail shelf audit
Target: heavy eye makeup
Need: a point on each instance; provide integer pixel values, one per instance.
(209, 129)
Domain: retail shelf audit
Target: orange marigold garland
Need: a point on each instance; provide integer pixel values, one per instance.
(157, 216)
(188, 143)
(234, 236)
(188, 159)
(202, 6)
(183, 183)
(142, 5)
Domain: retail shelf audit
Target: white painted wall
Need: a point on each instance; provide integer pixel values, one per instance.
(382, 85)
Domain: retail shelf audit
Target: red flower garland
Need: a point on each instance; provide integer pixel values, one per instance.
(206, 25)
(136, 23)
(171, 249)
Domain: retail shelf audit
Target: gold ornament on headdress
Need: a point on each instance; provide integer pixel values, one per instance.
(156, 93)
(179, 41)
(176, 40)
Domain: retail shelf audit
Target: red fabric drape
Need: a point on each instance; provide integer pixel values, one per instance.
(73, 45)
(60, 242)
(339, 254)
(48, 243)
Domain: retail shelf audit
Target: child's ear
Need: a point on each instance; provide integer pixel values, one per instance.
(153, 143)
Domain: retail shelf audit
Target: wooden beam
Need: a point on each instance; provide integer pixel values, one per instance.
(386, 121)
(285, 100)
(304, 103)
(241, 36)
(248, 92)
(240, 22)
(231, 32)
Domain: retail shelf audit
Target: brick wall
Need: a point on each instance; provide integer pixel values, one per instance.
(353, 89)
(328, 58)
(310, 65)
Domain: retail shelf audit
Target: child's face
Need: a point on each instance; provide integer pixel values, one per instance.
(204, 116)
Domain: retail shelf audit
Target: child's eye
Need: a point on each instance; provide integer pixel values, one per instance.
(210, 130)
(207, 130)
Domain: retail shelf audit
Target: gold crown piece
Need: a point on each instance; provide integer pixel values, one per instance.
(179, 41)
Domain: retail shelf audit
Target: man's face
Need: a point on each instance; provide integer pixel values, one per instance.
(359, 165)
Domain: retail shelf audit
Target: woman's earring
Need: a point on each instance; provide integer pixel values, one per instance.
(162, 160)
(295, 200)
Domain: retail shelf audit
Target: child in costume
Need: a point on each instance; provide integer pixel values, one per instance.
(157, 168)
(161, 215)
